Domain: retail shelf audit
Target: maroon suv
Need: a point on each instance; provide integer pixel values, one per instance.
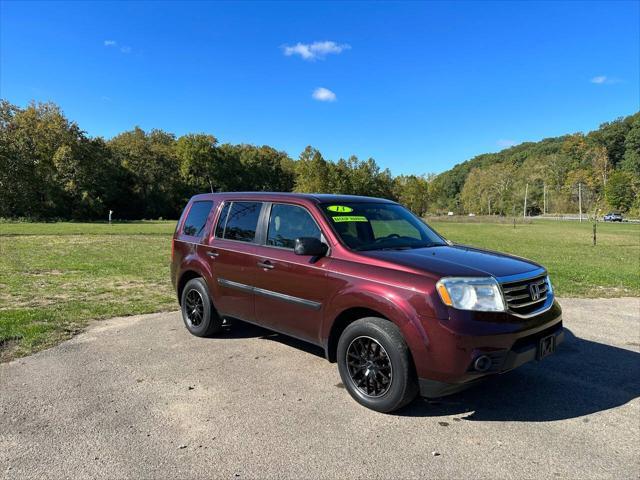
(398, 307)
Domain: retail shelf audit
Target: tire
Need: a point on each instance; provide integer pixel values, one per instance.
(198, 313)
(374, 384)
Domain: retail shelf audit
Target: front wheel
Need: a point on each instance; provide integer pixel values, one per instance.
(198, 313)
(375, 365)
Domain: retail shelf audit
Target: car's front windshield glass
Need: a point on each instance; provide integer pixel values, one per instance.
(379, 226)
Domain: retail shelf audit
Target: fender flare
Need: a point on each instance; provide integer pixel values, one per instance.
(397, 310)
(196, 265)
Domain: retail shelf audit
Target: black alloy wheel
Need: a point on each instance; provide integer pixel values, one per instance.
(194, 308)
(375, 364)
(369, 366)
(198, 313)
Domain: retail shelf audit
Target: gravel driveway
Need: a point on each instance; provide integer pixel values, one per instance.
(139, 397)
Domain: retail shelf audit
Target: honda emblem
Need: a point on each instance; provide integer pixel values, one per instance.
(534, 290)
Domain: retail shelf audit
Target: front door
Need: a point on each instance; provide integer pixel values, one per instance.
(289, 289)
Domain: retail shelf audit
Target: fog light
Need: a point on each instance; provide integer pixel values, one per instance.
(482, 363)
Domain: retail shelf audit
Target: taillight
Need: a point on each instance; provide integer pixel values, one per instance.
(173, 247)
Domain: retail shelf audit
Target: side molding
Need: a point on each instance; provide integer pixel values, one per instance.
(269, 293)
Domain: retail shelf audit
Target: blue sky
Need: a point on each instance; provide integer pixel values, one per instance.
(417, 86)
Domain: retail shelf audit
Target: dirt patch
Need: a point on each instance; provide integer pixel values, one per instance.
(46, 273)
(14, 302)
(7, 349)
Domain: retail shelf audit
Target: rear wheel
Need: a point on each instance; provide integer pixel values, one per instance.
(198, 313)
(375, 365)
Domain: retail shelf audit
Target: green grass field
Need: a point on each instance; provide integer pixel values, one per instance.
(577, 268)
(55, 277)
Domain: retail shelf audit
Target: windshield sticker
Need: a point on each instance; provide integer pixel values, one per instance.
(340, 209)
(350, 218)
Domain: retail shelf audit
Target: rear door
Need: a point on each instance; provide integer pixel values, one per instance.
(231, 253)
(290, 288)
(189, 237)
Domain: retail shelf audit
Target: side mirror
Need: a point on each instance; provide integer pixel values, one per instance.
(309, 246)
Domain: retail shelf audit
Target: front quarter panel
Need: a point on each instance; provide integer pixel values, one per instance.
(401, 297)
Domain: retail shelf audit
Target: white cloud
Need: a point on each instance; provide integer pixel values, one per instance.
(323, 95)
(114, 44)
(315, 50)
(505, 143)
(604, 80)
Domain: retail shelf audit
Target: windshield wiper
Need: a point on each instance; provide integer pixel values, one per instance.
(370, 248)
(399, 247)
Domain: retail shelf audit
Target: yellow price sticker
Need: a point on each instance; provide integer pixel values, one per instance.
(350, 218)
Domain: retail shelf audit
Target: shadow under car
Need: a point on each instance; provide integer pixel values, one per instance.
(581, 378)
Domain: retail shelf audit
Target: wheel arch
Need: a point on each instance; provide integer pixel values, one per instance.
(342, 321)
(184, 278)
(352, 304)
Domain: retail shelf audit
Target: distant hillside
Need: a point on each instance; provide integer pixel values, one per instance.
(604, 164)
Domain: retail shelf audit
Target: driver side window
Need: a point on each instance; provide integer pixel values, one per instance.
(288, 222)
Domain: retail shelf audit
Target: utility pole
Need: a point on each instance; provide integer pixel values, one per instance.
(489, 206)
(544, 198)
(526, 191)
(580, 200)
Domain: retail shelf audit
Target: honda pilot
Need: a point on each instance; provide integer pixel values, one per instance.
(400, 309)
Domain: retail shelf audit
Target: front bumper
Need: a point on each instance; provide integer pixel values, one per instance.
(523, 350)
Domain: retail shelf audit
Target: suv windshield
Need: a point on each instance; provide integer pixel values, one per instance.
(379, 226)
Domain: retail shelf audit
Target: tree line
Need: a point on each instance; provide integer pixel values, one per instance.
(602, 167)
(51, 169)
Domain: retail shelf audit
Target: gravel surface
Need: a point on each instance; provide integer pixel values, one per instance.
(139, 397)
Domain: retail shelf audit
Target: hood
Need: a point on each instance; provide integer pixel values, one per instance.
(456, 260)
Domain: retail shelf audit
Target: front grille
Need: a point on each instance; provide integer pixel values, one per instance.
(521, 295)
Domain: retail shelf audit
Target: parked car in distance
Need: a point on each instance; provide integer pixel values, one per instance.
(613, 217)
(399, 308)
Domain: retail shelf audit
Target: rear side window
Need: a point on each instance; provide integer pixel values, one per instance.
(240, 223)
(288, 222)
(197, 218)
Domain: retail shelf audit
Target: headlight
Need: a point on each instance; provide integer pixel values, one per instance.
(549, 286)
(473, 293)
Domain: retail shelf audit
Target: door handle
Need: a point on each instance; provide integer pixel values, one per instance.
(267, 265)
(212, 254)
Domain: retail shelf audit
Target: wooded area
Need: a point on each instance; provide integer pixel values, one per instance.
(602, 166)
(51, 169)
